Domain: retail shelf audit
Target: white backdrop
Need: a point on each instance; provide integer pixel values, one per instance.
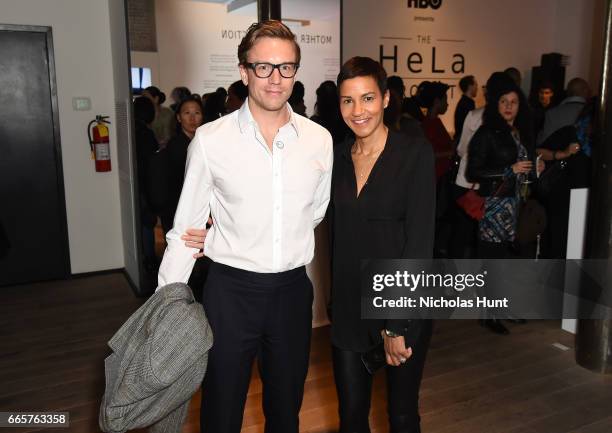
(489, 35)
(198, 41)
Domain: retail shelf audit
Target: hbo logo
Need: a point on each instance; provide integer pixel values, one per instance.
(424, 4)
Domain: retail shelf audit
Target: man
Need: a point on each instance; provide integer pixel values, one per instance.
(264, 174)
(543, 103)
(469, 88)
(546, 94)
(566, 113)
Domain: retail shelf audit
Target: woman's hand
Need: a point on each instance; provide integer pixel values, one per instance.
(572, 149)
(522, 167)
(395, 349)
(194, 238)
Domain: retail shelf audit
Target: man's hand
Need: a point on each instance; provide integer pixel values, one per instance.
(540, 166)
(396, 351)
(194, 238)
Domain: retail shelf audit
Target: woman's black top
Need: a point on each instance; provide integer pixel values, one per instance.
(146, 148)
(177, 158)
(492, 152)
(392, 218)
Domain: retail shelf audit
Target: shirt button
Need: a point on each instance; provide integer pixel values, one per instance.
(276, 240)
(280, 144)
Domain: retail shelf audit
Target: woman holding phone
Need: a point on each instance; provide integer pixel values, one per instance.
(383, 201)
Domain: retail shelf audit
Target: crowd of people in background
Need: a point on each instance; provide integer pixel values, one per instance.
(521, 155)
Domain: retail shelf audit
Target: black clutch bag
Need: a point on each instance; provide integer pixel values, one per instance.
(376, 358)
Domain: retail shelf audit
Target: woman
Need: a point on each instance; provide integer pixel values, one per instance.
(163, 126)
(237, 93)
(383, 207)
(189, 117)
(435, 100)
(327, 113)
(383, 191)
(146, 150)
(214, 106)
(500, 159)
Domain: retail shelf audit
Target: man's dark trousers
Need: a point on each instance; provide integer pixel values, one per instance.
(256, 314)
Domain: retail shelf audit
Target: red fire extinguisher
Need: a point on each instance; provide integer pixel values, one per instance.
(100, 146)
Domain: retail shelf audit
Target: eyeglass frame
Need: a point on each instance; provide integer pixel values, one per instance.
(253, 65)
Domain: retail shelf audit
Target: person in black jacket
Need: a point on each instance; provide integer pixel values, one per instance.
(469, 88)
(327, 112)
(189, 117)
(383, 201)
(146, 147)
(500, 159)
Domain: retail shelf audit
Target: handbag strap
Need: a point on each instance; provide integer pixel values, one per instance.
(503, 182)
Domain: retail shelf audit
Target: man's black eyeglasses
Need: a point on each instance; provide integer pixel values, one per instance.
(264, 70)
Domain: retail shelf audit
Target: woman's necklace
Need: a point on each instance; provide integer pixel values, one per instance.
(366, 161)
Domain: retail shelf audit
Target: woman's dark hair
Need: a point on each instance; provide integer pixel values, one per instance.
(191, 98)
(214, 107)
(222, 91)
(297, 95)
(431, 91)
(181, 93)
(239, 89)
(363, 67)
(144, 110)
(155, 92)
(327, 111)
(397, 84)
(326, 105)
(492, 118)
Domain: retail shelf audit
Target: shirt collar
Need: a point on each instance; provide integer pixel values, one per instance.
(573, 100)
(245, 118)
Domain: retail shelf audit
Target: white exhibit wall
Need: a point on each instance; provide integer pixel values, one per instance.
(197, 46)
(579, 29)
(83, 64)
(150, 60)
(486, 35)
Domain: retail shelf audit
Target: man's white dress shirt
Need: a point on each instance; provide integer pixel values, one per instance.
(472, 122)
(264, 204)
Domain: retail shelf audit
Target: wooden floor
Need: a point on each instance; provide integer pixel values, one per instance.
(53, 341)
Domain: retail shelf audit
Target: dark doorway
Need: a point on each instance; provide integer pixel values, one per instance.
(32, 205)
